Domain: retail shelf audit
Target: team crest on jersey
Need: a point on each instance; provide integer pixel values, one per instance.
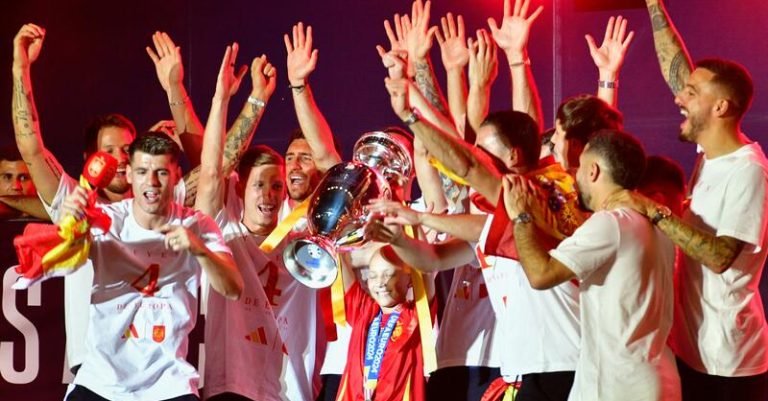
(158, 333)
(397, 331)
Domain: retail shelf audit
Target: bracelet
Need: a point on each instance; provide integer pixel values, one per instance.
(181, 102)
(608, 84)
(297, 88)
(413, 118)
(525, 61)
(256, 101)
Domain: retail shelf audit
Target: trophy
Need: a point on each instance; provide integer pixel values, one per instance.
(336, 214)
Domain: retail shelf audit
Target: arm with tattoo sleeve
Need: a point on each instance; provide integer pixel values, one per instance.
(43, 166)
(674, 59)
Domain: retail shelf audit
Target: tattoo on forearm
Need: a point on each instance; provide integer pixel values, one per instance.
(23, 108)
(659, 20)
(425, 81)
(678, 71)
(714, 252)
(240, 133)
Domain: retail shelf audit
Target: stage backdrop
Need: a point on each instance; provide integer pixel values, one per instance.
(93, 61)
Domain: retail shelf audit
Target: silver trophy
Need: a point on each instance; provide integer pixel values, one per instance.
(337, 215)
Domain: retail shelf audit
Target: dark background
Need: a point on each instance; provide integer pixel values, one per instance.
(93, 61)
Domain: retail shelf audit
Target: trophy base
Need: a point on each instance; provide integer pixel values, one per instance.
(311, 261)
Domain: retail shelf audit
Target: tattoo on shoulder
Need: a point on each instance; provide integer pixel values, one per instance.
(658, 18)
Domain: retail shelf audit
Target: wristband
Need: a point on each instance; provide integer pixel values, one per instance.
(525, 61)
(608, 84)
(181, 102)
(256, 101)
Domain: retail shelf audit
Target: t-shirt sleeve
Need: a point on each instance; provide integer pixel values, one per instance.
(66, 185)
(356, 300)
(591, 245)
(744, 207)
(210, 233)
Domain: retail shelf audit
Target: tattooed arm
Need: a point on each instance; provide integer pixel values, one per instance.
(674, 60)
(418, 41)
(716, 253)
(43, 166)
(301, 62)
(264, 78)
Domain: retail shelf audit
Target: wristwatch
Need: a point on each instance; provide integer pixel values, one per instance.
(523, 218)
(412, 118)
(662, 212)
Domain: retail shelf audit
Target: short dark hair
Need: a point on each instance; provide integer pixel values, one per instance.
(156, 144)
(583, 115)
(256, 156)
(623, 155)
(299, 134)
(517, 130)
(103, 121)
(10, 153)
(735, 79)
(660, 169)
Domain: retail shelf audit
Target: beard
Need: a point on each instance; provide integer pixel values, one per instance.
(695, 125)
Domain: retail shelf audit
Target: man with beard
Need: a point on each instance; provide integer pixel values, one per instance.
(719, 335)
(147, 269)
(624, 267)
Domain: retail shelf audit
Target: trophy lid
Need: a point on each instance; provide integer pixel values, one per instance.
(390, 154)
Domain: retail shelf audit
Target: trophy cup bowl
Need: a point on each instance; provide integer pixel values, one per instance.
(336, 218)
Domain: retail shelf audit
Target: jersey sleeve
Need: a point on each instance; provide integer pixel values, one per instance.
(744, 207)
(590, 246)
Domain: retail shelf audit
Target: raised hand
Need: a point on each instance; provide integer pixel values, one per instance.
(418, 34)
(167, 60)
(452, 42)
(263, 77)
(302, 59)
(394, 61)
(27, 45)
(483, 60)
(515, 28)
(396, 36)
(228, 82)
(610, 55)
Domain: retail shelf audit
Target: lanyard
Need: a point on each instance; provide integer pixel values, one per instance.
(375, 345)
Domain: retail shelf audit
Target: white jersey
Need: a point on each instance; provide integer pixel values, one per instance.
(143, 306)
(296, 310)
(540, 329)
(720, 325)
(77, 286)
(243, 348)
(467, 331)
(625, 267)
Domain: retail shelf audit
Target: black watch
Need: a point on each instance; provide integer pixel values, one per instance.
(662, 212)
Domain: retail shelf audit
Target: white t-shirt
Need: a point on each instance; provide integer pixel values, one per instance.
(243, 346)
(467, 331)
(625, 269)
(295, 307)
(539, 329)
(77, 286)
(143, 306)
(720, 323)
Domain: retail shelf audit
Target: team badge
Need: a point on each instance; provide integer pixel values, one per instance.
(158, 333)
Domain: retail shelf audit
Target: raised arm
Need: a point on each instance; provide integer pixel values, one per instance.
(264, 79)
(210, 187)
(44, 169)
(674, 60)
(483, 70)
(469, 163)
(170, 74)
(302, 60)
(512, 37)
(609, 58)
(455, 55)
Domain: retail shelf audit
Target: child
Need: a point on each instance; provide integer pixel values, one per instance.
(385, 358)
